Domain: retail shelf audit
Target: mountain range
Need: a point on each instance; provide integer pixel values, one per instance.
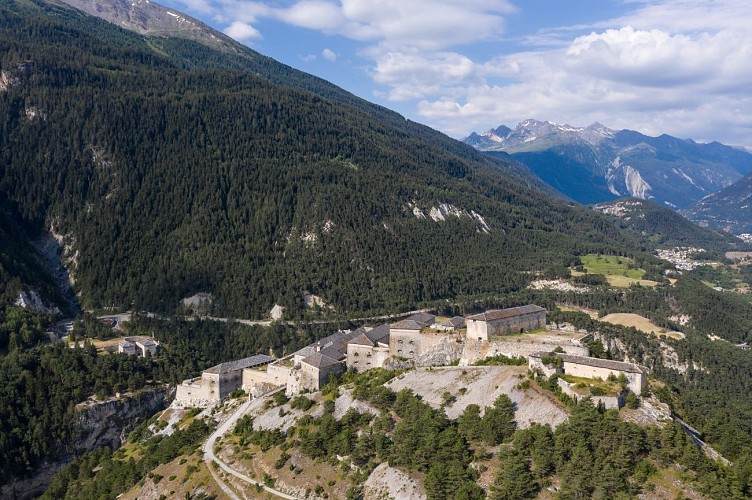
(165, 167)
(594, 164)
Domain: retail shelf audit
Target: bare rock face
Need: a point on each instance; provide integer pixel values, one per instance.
(152, 19)
(104, 423)
(390, 482)
(446, 352)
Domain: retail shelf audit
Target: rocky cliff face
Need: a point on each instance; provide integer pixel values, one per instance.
(107, 423)
(101, 423)
(152, 19)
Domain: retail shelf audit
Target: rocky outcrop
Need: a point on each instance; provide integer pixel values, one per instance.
(101, 423)
(107, 423)
(390, 482)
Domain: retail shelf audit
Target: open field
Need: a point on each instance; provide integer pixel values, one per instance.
(738, 255)
(641, 323)
(100, 344)
(616, 270)
(589, 312)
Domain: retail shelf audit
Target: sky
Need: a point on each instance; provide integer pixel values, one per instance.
(680, 67)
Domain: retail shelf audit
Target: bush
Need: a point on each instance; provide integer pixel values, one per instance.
(279, 398)
(632, 401)
(302, 403)
(501, 360)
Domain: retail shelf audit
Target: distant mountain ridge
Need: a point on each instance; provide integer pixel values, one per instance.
(594, 164)
(664, 227)
(729, 209)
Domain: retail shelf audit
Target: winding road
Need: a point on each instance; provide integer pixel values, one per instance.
(209, 455)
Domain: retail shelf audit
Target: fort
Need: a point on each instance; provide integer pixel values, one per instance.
(217, 382)
(633, 377)
(418, 340)
(506, 321)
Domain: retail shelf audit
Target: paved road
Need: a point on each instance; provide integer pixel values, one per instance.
(259, 322)
(126, 316)
(209, 455)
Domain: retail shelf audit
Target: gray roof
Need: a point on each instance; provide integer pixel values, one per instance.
(143, 340)
(337, 340)
(362, 339)
(239, 364)
(455, 322)
(511, 312)
(423, 318)
(306, 351)
(406, 324)
(379, 333)
(126, 343)
(373, 336)
(598, 363)
(320, 360)
(333, 352)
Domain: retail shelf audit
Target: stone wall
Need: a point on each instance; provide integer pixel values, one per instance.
(363, 357)
(259, 382)
(404, 343)
(477, 329)
(191, 392)
(209, 389)
(636, 381)
(475, 350)
(305, 376)
(484, 330)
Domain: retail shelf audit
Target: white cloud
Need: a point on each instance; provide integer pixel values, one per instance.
(415, 74)
(667, 66)
(690, 76)
(329, 55)
(426, 24)
(242, 31)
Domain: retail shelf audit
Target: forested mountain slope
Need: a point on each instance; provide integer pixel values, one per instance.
(728, 209)
(172, 169)
(663, 227)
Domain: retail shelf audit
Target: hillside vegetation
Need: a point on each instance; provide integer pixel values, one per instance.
(183, 170)
(661, 227)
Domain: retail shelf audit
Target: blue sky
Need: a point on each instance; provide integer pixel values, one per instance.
(682, 67)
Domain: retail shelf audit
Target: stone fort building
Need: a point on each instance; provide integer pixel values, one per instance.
(505, 321)
(217, 382)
